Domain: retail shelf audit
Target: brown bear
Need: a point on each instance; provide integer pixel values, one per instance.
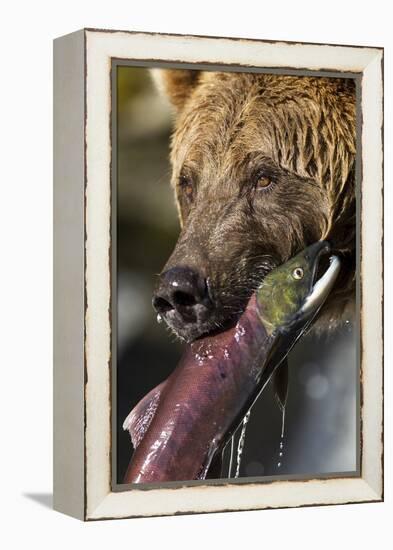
(263, 165)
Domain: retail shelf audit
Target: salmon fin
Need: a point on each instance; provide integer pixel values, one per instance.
(139, 419)
(280, 381)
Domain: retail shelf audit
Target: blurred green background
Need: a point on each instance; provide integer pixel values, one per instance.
(147, 228)
(321, 411)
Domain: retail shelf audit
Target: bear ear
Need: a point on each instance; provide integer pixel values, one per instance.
(176, 84)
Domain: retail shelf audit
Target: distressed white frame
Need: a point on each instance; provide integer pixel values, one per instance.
(96, 500)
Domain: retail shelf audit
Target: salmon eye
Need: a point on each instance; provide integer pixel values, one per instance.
(187, 187)
(298, 273)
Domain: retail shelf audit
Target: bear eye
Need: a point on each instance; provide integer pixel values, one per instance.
(298, 273)
(263, 180)
(187, 187)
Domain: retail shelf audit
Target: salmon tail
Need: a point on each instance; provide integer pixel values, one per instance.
(139, 419)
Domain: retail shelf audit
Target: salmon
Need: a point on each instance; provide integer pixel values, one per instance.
(182, 424)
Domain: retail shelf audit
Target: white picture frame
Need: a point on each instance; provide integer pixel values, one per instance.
(83, 271)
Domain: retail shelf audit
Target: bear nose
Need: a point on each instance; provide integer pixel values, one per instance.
(181, 289)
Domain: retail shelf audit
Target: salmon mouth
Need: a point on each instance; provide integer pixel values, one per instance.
(324, 269)
(322, 286)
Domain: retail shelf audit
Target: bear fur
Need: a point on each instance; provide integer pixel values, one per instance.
(263, 165)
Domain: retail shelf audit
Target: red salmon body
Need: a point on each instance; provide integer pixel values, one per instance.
(198, 403)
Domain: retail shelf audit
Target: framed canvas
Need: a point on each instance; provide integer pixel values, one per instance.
(240, 397)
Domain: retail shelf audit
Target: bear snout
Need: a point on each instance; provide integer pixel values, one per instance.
(182, 300)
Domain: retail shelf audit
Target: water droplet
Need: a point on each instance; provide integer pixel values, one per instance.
(231, 456)
(159, 318)
(240, 445)
(281, 452)
(240, 332)
(199, 359)
(282, 423)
